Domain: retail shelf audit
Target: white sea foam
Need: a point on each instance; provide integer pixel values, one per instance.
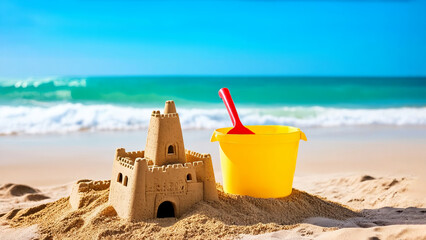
(69, 117)
(36, 82)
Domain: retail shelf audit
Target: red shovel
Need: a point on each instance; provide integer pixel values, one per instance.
(238, 126)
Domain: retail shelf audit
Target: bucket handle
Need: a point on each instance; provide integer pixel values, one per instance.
(303, 136)
(214, 137)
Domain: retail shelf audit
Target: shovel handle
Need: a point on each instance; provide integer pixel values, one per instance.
(230, 106)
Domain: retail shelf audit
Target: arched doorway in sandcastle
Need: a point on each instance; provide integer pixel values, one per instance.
(166, 210)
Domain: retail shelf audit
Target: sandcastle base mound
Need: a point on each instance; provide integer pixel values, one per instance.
(230, 216)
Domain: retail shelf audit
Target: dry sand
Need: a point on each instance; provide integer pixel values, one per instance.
(14, 196)
(230, 216)
(392, 214)
(391, 208)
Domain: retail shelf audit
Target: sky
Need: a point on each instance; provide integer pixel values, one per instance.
(288, 38)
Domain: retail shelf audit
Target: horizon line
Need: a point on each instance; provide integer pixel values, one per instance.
(209, 76)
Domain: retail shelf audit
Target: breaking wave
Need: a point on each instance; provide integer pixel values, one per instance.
(37, 82)
(73, 117)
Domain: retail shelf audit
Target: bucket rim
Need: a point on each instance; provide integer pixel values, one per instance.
(248, 126)
(221, 133)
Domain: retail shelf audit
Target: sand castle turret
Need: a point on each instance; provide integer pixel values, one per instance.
(165, 141)
(169, 107)
(165, 180)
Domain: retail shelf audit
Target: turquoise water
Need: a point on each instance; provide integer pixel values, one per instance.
(275, 91)
(70, 104)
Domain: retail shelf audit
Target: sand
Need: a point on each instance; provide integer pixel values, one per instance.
(301, 215)
(14, 196)
(391, 208)
(230, 216)
(361, 184)
(375, 233)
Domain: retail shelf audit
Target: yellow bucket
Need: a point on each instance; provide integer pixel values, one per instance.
(260, 165)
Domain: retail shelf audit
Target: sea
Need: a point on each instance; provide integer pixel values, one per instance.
(112, 103)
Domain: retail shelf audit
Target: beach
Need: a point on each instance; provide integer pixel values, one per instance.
(360, 173)
(108, 110)
(375, 171)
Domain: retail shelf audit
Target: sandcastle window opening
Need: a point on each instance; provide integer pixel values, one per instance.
(188, 177)
(120, 178)
(166, 210)
(125, 181)
(171, 150)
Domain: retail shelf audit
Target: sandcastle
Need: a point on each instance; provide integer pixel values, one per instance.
(165, 180)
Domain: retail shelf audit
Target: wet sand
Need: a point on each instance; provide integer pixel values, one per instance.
(59, 159)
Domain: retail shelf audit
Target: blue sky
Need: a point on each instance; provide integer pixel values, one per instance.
(304, 38)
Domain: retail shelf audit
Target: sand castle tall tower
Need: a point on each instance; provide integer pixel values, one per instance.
(165, 141)
(165, 180)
